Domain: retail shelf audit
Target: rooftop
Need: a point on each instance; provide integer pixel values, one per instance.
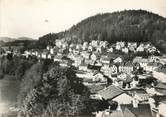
(110, 92)
(143, 110)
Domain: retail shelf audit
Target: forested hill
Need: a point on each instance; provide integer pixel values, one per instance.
(132, 25)
(129, 25)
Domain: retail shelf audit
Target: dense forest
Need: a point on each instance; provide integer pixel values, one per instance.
(129, 25)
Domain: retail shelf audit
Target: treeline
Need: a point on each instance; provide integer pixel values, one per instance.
(14, 68)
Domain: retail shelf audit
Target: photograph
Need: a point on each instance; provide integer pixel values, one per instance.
(82, 58)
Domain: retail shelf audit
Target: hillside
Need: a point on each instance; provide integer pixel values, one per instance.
(130, 25)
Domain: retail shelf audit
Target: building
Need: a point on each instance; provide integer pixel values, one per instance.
(126, 67)
(162, 109)
(83, 67)
(136, 110)
(110, 92)
(140, 94)
(125, 50)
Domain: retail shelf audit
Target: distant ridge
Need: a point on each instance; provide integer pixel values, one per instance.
(9, 39)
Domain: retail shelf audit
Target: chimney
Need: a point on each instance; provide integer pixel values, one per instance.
(135, 103)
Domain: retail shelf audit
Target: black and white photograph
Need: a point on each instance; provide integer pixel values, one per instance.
(82, 58)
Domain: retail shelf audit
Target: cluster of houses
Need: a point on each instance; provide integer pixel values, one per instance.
(135, 47)
(137, 85)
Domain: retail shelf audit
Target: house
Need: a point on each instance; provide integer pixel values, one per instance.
(134, 82)
(48, 47)
(84, 75)
(76, 52)
(110, 92)
(58, 43)
(118, 47)
(110, 49)
(136, 110)
(115, 94)
(132, 44)
(105, 67)
(49, 56)
(114, 69)
(88, 61)
(77, 60)
(154, 58)
(39, 55)
(118, 60)
(78, 46)
(103, 44)
(125, 50)
(138, 93)
(161, 76)
(27, 53)
(83, 67)
(151, 49)
(142, 61)
(44, 54)
(140, 48)
(98, 63)
(98, 76)
(161, 88)
(94, 56)
(63, 64)
(126, 67)
(94, 67)
(122, 76)
(99, 49)
(105, 59)
(128, 110)
(90, 48)
(94, 43)
(85, 44)
(123, 99)
(121, 44)
(85, 54)
(58, 58)
(54, 50)
(161, 108)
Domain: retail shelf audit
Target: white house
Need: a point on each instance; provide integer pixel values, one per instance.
(58, 43)
(118, 47)
(83, 67)
(123, 99)
(110, 50)
(125, 50)
(140, 49)
(93, 57)
(90, 48)
(94, 43)
(118, 60)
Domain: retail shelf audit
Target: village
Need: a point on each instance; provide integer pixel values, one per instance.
(129, 73)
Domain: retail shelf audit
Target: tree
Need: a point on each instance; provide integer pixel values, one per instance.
(59, 86)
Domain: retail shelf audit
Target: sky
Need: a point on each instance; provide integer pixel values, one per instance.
(35, 18)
